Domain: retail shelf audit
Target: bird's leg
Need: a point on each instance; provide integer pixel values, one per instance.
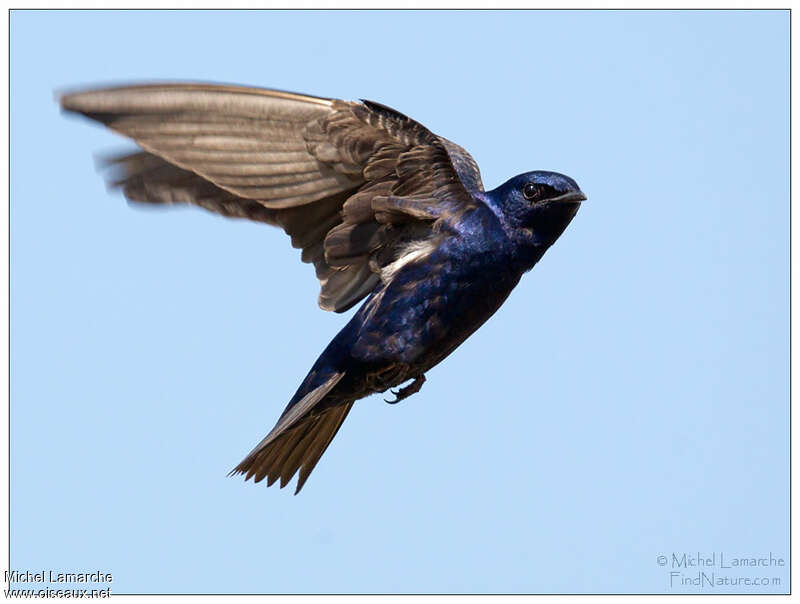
(412, 388)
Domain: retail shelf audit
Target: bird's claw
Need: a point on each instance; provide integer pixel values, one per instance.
(396, 393)
(402, 393)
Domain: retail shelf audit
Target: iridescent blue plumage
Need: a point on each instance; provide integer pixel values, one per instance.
(388, 213)
(448, 289)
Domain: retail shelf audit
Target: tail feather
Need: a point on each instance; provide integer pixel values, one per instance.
(299, 439)
(293, 458)
(298, 448)
(321, 441)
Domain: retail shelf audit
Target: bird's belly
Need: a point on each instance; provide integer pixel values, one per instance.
(427, 311)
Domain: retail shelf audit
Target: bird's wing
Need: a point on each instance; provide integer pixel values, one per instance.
(352, 183)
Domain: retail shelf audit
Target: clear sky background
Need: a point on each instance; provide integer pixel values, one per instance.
(630, 399)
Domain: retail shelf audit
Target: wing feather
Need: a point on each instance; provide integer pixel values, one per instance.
(351, 183)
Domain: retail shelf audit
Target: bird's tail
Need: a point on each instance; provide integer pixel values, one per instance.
(299, 439)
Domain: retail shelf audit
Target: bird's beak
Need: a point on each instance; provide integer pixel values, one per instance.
(573, 197)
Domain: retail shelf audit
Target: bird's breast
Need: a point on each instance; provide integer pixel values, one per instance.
(431, 305)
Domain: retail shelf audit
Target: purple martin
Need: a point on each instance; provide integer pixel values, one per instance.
(385, 210)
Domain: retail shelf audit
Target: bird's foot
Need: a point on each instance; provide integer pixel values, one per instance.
(403, 393)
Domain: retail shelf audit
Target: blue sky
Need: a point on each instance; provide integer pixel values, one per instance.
(630, 399)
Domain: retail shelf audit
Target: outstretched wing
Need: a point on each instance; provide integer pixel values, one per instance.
(353, 184)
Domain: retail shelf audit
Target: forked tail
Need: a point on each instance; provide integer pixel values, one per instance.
(298, 440)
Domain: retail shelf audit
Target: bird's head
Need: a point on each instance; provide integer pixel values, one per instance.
(538, 205)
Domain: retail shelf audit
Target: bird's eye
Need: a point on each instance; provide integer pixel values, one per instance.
(537, 191)
(531, 191)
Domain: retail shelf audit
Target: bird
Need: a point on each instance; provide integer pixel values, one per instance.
(390, 215)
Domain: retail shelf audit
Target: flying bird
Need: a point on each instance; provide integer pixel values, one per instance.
(386, 211)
